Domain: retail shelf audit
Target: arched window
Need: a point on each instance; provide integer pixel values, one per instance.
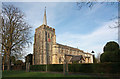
(45, 33)
(45, 36)
(48, 35)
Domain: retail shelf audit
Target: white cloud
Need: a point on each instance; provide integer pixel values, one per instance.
(93, 41)
(94, 9)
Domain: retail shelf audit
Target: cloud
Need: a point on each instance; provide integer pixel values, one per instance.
(94, 41)
(94, 9)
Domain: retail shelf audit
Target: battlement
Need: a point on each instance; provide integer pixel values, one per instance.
(46, 28)
(49, 28)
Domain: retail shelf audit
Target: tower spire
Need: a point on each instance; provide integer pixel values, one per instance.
(45, 19)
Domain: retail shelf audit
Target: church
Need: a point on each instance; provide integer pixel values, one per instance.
(47, 51)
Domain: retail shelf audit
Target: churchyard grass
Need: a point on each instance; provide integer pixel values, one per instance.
(34, 75)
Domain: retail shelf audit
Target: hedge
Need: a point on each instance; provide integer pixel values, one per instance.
(50, 67)
(38, 67)
(16, 67)
(55, 67)
(82, 68)
(85, 68)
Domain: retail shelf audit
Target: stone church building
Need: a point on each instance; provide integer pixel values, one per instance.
(47, 51)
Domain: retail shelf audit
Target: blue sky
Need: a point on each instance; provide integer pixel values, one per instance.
(87, 29)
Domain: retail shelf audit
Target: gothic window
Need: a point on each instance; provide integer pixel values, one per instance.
(45, 33)
(48, 35)
(45, 36)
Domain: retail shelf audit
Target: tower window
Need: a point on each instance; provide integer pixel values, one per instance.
(45, 36)
(48, 35)
(45, 33)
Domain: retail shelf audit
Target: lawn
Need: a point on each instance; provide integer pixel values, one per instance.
(36, 74)
(41, 75)
(30, 74)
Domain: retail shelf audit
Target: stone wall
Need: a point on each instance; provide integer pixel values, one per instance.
(60, 50)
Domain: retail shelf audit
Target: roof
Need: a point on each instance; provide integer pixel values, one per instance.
(65, 46)
(89, 53)
(76, 58)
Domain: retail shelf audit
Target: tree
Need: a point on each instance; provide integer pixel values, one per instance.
(13, 60)
(28, 58)
(111, 52)
(15, 32)
(19, 62)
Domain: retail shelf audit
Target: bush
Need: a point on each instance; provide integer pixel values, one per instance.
(111, 52)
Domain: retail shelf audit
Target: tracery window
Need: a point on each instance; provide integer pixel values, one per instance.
(48, 35)
(45, 36)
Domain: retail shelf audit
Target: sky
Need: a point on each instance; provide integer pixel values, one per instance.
(86, 29)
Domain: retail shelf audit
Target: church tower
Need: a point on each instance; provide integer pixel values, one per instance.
(44, 39)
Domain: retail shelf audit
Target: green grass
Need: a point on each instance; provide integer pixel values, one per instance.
(30, 74)
(33, 75)
(36, 74)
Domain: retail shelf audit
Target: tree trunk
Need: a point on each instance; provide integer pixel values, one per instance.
(9, 61)
(3, 62)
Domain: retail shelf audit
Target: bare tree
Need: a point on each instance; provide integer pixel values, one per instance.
(15, 32)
